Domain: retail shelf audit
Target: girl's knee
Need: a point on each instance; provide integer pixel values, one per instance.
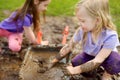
(76, 61)
(15, 48)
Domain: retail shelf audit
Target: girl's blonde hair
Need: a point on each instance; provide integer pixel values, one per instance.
(97, 8)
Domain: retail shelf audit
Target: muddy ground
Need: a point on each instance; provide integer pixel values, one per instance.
(11, 64)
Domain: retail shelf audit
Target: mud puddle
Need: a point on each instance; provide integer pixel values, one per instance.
(36, 62)
(35, 65)
(11, 66)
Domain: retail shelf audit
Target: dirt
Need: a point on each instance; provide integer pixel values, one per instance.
(35, 65)
(14, 65)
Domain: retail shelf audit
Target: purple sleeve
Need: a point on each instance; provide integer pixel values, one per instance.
(77, 36)
(111, 41)
(27, 21)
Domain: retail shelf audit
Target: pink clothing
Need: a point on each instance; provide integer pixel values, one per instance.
(14, 39)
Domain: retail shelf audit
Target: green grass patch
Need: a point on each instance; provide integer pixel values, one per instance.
(7, 6)
(62, 7)
(115, 12)
(58, 8)
(10, 4)
(55, 8)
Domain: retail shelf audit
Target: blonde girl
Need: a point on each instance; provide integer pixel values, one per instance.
(99, 40)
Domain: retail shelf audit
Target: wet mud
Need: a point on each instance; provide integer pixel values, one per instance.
(32, 64)
(36, 63)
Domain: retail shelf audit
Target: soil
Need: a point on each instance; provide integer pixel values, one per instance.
(13, 65)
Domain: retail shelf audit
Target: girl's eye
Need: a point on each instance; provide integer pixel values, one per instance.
(81, 20)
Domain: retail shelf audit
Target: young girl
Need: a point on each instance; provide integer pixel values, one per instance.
(99, 40)
(21, 20)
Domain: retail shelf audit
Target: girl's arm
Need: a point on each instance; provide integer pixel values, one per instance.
(92, 64)
(65, 51)
(30, 35)
(68, 47)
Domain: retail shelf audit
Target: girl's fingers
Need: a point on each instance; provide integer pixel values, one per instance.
(66, 72)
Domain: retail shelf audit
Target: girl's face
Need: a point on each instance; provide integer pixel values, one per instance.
(86, 22)
(43, 5)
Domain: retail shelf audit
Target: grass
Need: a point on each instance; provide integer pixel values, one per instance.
(115, 12)
(7, 6)
(62, 7)
(55, 8)
(58, 8)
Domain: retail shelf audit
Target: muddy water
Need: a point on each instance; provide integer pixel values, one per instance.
(36, 61)
(34, 67)
(35, 64)
(9, 68)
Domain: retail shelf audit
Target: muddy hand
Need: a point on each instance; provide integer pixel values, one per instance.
(65, 71)
(54, 61)
(51, 65)
(73, 70)
(59, 57)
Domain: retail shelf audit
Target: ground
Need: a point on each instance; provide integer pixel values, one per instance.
(11, 64)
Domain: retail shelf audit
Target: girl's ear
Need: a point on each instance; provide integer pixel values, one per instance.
(98, 20)
(36, 2)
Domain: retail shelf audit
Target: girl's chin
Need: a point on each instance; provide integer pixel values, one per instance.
(85, 30)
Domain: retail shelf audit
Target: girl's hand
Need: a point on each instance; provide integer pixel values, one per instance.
(73, 70)
(44, 42)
